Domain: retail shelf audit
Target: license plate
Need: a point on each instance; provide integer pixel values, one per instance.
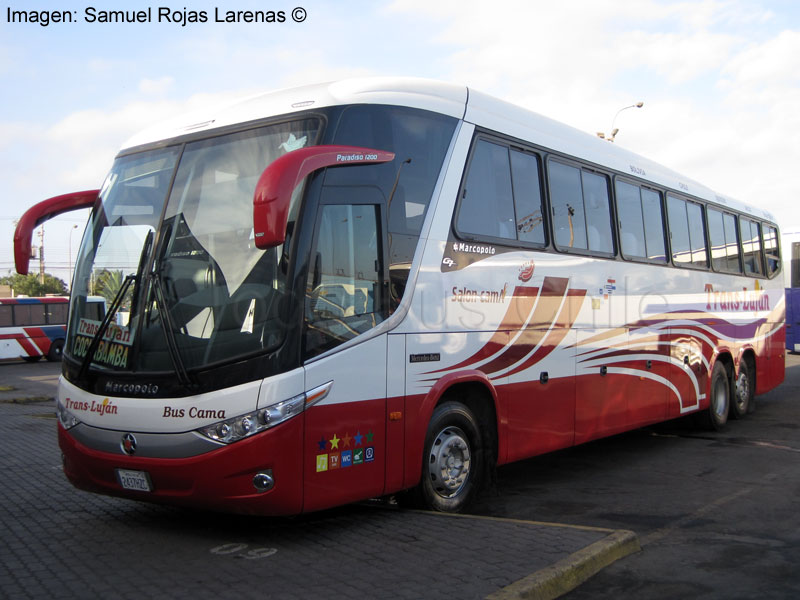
(134, 480)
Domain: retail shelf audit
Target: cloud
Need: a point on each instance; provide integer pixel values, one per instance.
(720, 80)
(156, 87)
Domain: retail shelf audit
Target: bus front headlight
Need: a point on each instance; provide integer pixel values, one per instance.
(243, 426)
(65, 417)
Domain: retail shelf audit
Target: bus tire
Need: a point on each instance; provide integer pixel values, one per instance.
(56, 350)
(453, 469)
(715, 417)
(743, 400)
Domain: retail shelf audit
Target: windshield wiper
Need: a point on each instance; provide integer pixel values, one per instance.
(101, 331)
(169, 332)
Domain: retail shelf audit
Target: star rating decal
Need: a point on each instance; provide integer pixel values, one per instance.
(334, 452)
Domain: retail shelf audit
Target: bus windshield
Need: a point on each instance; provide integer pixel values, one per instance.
(178, 222)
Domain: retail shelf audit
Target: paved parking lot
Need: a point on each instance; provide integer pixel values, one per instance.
(59, 542)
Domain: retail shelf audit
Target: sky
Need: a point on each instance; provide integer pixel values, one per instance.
(719, 81)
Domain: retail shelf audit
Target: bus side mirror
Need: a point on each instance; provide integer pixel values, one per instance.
(41, 212)
(274, 189)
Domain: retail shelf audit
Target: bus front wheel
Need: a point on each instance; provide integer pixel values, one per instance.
(452, 470)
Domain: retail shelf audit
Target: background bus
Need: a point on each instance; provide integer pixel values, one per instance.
(31, 328)
(793, 300)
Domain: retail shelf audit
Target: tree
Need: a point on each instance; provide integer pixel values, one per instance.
(107, 283)
(30, 285)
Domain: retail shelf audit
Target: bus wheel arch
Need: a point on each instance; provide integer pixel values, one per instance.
(459, 448)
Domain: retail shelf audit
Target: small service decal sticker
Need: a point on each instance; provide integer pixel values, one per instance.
(346, 451)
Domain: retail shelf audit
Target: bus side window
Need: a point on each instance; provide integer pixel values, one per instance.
(598, 213)
(751, 246)
(581, 209)
(687, 232)
(697, 235)
(527, 197)
(566, 197)
(631, 220)
(731, 243)
(6, 315)
(56, 313)
(772, 251)
(654, 225)
(724, 243)
(344, 294)
(486, 204)
(716, 233)
(28, 314)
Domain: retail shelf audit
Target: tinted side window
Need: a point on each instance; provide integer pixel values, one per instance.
(771, 250)
(631, 221)
(697, 234)
(527, 197)
(566, 197)
(29, 314)
(345, 287)
(6, 315)
(419, 136)
(724, 244)
(654, 225)
(732, 243)
(581, 209)
(679, 231)
(94, 311)
(598, 213)
(751, 246)
(487, 204)
(56, 313)
(687, 232)
(641, 222)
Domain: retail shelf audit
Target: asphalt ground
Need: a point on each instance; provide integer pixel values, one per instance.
(716, 513)
(59, 542)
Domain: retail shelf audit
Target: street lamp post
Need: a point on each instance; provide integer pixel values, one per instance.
(610, 137)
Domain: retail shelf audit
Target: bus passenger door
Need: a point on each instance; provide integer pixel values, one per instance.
(346, 298)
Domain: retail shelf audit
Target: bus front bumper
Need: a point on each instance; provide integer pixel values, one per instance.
(230, 478)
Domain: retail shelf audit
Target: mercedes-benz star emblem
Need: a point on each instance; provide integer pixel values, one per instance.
(128, 444)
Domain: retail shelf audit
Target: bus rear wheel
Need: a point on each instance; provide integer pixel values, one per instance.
(56, 350)
(452, 471)
(743, 400)
(715, 417)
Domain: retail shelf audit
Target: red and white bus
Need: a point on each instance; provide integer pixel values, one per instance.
(31, 328)
(382, 286)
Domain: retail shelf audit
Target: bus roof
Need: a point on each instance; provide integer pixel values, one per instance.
(458, 101)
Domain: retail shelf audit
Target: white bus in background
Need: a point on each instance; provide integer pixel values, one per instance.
(390, 286)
